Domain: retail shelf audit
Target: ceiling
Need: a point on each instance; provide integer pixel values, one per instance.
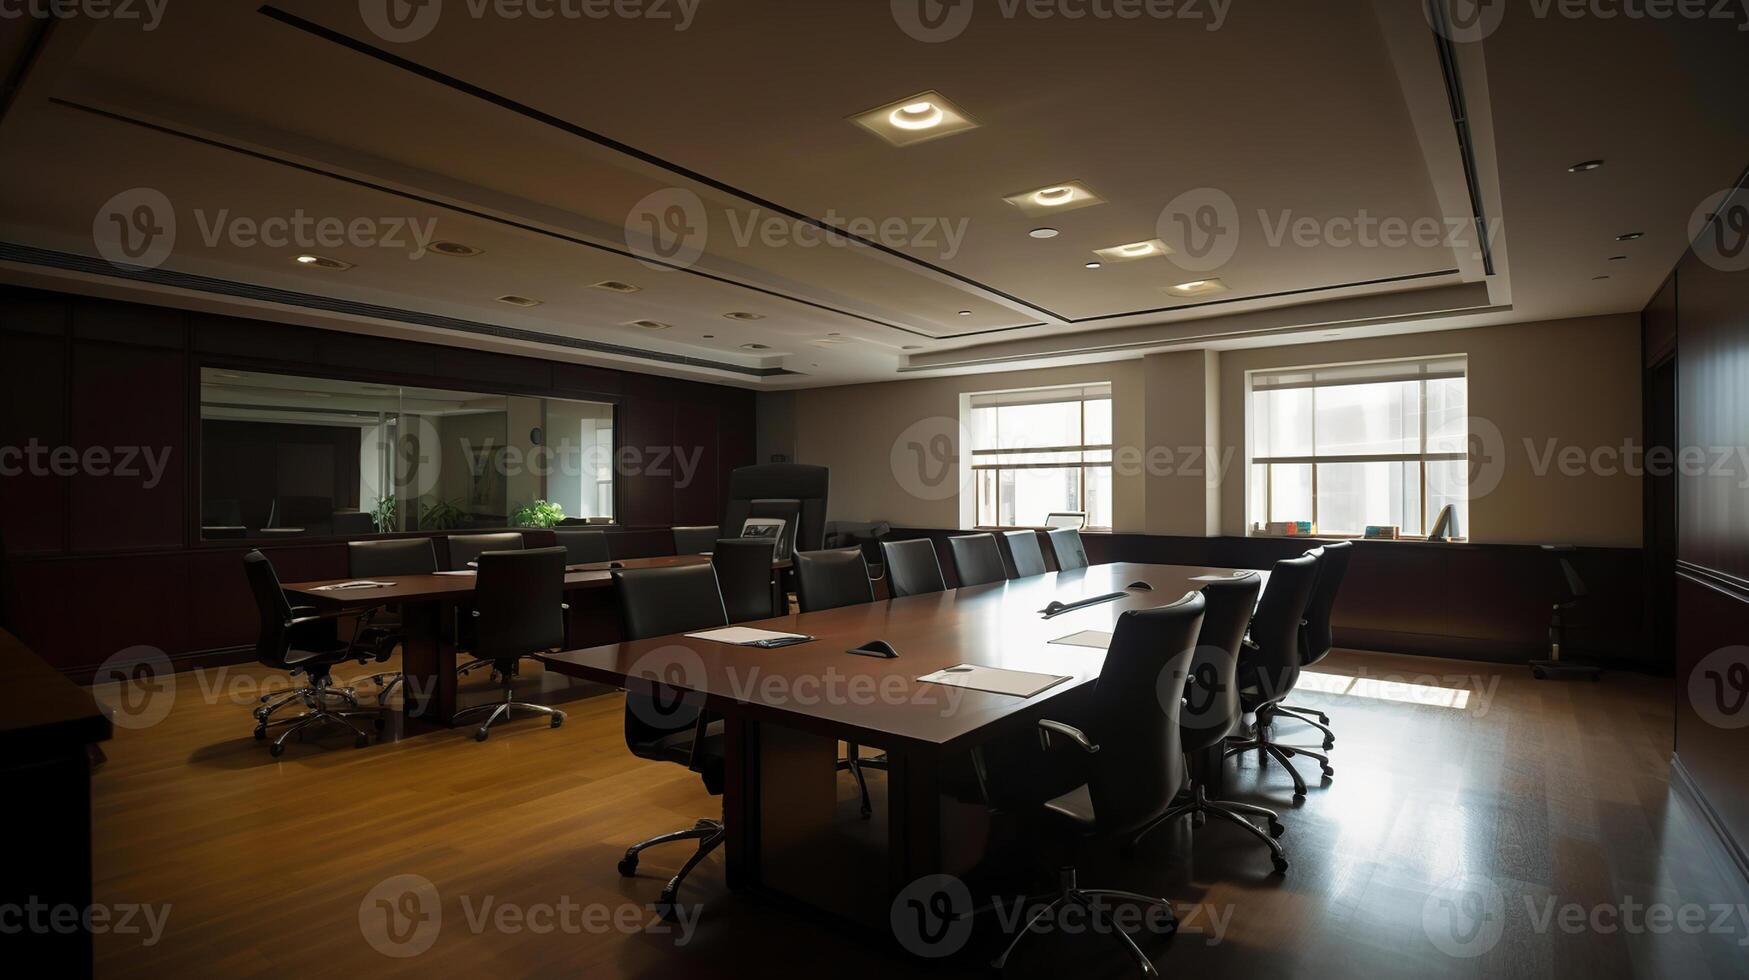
(1316, 148)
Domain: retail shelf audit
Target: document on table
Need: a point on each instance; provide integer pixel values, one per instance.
(743, 636)
(460, 571)
(1220, 578)
(994, 680)
(347, 586)
(1097, 639)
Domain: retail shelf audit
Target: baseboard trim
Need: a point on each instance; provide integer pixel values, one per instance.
(1690, 789)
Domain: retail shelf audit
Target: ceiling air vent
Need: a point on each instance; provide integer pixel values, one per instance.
(522, 301)
(615, 286)
(650, 324)
(456, 249)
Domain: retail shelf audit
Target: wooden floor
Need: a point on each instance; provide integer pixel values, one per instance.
(1546, 795)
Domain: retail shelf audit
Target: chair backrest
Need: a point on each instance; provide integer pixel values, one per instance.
(583, 546)
(1318, 636)
(1135, 712)
(744, 577)
(1067, 547)
(976, 559)
(829, 579)
(696, 540)
(912, 567)
(1275, 629)
(399, 556)
(1211, 698)
(464, 548)
(677, 599)
(519, 603)
(273, 641)
(306, 512)
(781, 481)
(1025, 557)
(1066, 518)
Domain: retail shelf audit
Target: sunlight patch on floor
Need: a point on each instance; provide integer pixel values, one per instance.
(1405, 692)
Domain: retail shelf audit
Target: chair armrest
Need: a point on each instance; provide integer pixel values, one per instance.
(1070, 732)
(694, 761)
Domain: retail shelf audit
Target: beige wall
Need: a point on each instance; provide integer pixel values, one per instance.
(1575, 381)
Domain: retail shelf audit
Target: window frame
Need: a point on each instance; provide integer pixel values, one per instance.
(1077, 394)
(1314, 460)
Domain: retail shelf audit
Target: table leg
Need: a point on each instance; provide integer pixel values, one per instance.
(427, 664)
(914, 830)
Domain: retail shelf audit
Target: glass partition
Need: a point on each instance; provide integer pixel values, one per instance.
(287, 456)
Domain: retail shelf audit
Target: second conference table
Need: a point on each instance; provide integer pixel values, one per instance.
(428, 651)
(784, 711)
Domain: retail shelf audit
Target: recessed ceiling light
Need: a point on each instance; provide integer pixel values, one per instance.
(1198, 287)
(650, 325)
(1152, 248)
(833, 339)
(924, 116)
(743, 315)
(965, 313)
(522, 301)
(615, 286)
(1044, 233)
(1094, 265)
(1069, 195)
(1632, 236)
(455, 249)
(755, 346)
(1585, 167)
(323, 262)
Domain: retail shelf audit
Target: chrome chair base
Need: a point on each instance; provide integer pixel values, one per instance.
(1235, 813)
(1316, 719)
(1083, 897)
(1281, 753)
(502, 709)
(318, 712)
(855, 765)
(709, 834)
(392, 679)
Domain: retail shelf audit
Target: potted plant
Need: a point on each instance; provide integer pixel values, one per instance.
(442, 515)
(383, 514)
(540, 513)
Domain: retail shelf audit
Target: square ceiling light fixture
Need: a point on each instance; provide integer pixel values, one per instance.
(1054, 198)
(1198, 287)
(1153, 248)
(921, 117)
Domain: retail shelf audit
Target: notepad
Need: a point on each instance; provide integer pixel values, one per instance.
(1097, 639)
(342, 586)
(994, 680)
(1221, 578)
(743, 636)
(464, 571)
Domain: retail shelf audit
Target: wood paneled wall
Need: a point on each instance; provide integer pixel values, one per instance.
(98, 564)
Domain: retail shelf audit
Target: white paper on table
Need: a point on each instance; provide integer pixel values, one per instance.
(463, 571)
(744, 636)
(350, 586)
(994, 680)
(1097, 639)
(1221, 578)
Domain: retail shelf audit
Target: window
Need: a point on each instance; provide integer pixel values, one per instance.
(1039, 452)
(1351, 446)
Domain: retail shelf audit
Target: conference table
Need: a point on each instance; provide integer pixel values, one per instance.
(784, 711)
(428, 652)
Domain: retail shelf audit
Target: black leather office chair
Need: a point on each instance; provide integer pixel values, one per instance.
(976, 559)
(1024, 555)
(519, 611)
(1317, 637)
(829, 579)
(464, 548)
(664, 725)
(696, 540)
(1211, 705)
(744, 575)
(1270, 665)
(1067, 547)
(1132, 755)
(582, 546)
(297, 640)
(379, 628)
(806, 485)
(912, 567)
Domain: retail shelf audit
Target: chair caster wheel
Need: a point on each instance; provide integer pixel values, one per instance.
(1280, 865)
(628, 866)
(1329, 743)
(558, 720)
(261, 733)
(1199, 820)
(480, 736)
(1299, 798)
(867, 812)
(665, 906)
(361, 741)
(1329, 772)
(1539, 673)
(1277, 828)
(276, 750)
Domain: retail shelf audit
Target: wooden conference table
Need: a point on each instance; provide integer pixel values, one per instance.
(785, 710)
(428, 654)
